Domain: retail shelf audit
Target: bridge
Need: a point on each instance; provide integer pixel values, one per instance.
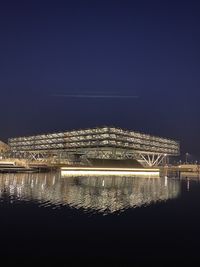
(85, 146)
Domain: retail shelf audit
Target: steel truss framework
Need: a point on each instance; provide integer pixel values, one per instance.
(102, 143)
(146, 159)
(152, 159)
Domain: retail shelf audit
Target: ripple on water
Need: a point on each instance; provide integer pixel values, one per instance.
(102, 195)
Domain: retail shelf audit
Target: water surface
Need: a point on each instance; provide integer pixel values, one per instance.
(110, 219)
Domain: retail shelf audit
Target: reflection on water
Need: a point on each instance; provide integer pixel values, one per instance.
(97, 194)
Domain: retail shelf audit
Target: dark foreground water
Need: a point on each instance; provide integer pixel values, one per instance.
(107, 221)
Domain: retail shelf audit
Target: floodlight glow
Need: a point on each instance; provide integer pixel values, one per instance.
(109, 172)
(111, 169)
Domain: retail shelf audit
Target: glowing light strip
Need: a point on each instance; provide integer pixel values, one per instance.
(109, 169)
(106, 173)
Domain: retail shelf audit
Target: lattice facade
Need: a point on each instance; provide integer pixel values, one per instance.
(97, 137)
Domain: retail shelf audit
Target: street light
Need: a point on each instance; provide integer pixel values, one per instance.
(186, 157)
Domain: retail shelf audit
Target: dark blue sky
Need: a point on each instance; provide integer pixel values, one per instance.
(146, 48)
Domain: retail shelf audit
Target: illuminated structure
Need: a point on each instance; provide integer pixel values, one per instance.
(98, 143)
(93, 171)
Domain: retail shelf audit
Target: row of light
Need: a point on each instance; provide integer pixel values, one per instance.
(109, 171)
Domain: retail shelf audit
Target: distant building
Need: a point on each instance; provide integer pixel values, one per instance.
(3, 147)
(100, 143)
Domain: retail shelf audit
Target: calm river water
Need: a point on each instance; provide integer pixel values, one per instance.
(114, 221)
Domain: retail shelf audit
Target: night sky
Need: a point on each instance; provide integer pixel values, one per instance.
(72, 64)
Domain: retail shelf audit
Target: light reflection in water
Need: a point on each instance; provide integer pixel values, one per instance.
(93, 194)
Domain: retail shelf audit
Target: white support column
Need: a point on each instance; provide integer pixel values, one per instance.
(162, 157)
(157, 159)
(152, 159)
(146, 160)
